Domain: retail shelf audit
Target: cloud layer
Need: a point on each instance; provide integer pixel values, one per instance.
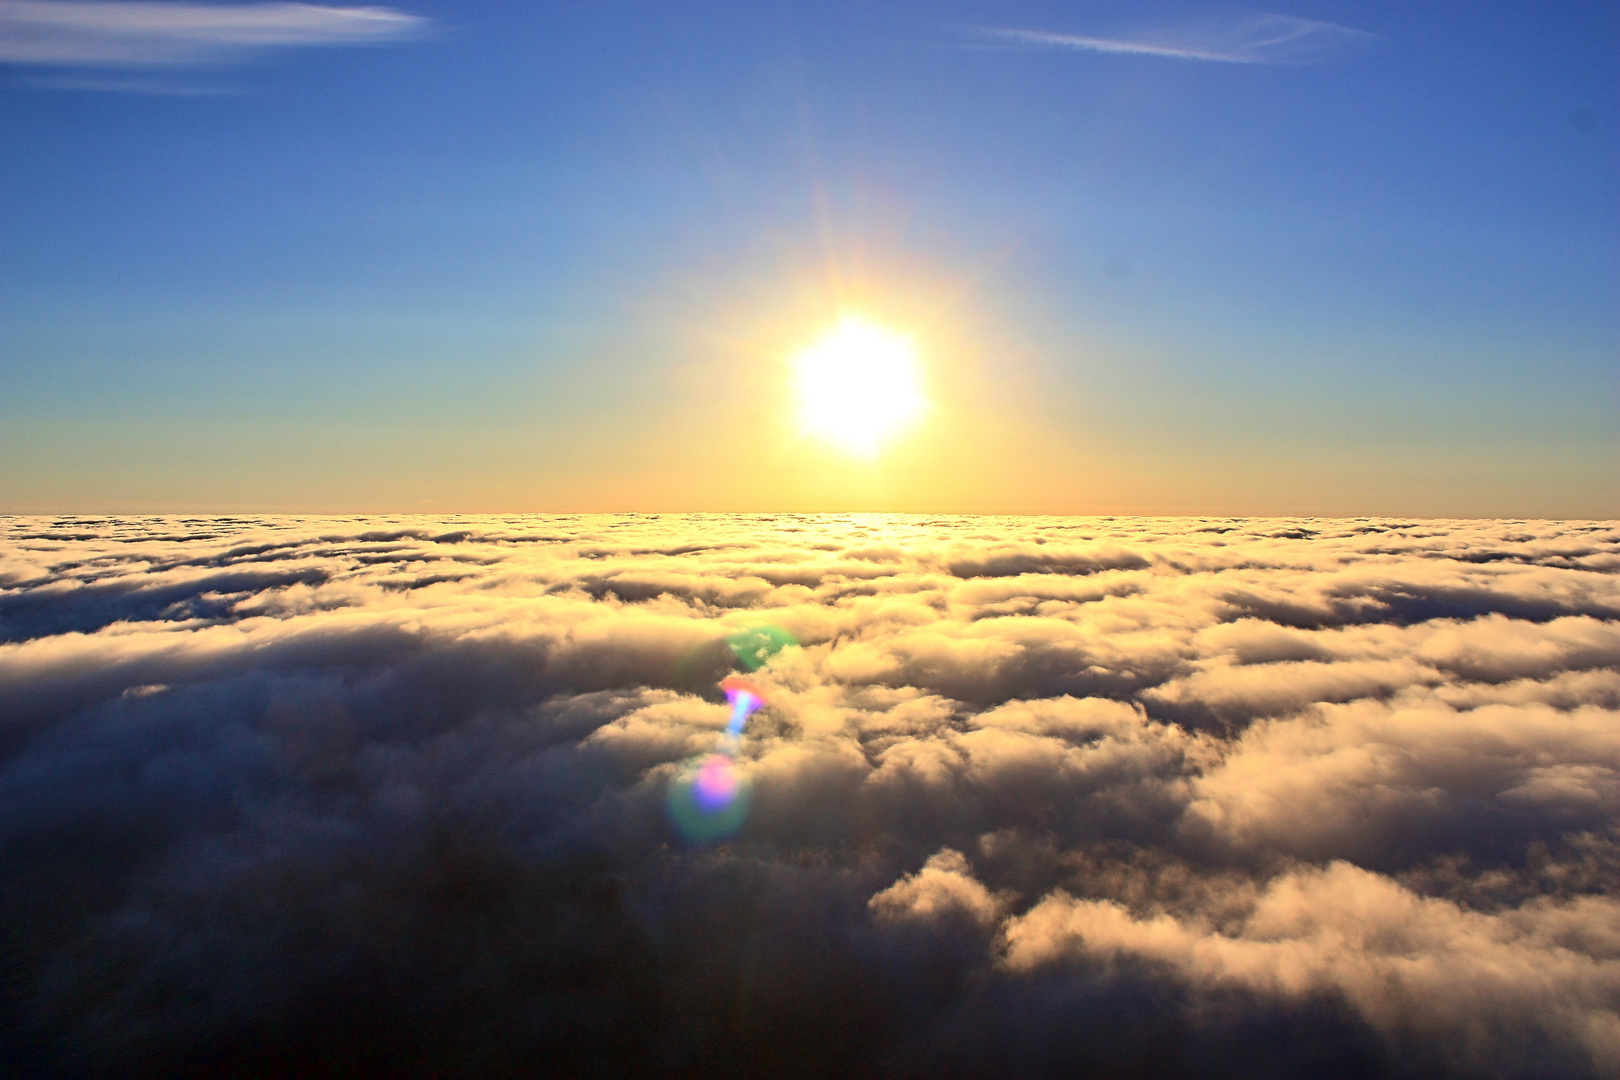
(1031, 797)
(124, 33)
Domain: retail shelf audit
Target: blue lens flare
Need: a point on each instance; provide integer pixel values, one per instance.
(744, 698)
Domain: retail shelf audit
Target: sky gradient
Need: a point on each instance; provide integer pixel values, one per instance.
(1349, 258)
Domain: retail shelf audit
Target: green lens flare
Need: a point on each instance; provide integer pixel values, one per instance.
(753, 645)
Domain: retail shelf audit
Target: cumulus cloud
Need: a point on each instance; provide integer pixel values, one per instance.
(1028, 797)
(1500, 992)
(944, 887)
(145, 33)
(1256, 39)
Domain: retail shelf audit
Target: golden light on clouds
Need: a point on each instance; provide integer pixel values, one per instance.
(858, 385)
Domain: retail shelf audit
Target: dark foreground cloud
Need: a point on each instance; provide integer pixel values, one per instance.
(1191, 798)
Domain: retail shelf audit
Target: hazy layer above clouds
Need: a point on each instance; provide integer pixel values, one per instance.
(1033, 797)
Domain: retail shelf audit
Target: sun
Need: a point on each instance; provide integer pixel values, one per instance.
(858, 385)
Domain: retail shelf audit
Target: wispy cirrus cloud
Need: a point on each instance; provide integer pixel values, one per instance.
(137, 33)
(1257, 39)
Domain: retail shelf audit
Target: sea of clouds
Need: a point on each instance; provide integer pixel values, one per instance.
(1033, 796)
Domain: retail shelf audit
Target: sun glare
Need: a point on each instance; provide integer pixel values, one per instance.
(858, 385)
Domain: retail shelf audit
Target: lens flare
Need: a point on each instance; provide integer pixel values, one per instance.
(754, 645)
(709, 801)
(716, 784)
(745, 697)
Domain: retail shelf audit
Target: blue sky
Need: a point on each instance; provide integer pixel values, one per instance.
(1333, 258)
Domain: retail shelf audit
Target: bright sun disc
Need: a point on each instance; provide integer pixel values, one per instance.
(858, 384)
